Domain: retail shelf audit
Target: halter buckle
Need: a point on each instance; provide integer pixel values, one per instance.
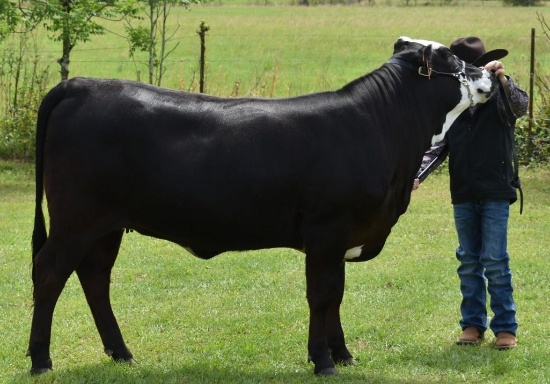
(426, 73)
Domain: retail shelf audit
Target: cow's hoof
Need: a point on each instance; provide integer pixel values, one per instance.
(45, 365)
(328, 372)
(348, 362)
(128, 359)
(40, 371)
(131, 361)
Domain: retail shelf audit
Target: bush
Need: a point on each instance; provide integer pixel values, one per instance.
(534, 146)
(534, 142)
(23, 86)
(521, 3)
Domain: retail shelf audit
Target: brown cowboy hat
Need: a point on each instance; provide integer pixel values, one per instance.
(471, 50)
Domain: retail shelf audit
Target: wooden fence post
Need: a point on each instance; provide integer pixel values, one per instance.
(203, 28)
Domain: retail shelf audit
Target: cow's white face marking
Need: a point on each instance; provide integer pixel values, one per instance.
(425, 43)
(353, 253)
(480, 90)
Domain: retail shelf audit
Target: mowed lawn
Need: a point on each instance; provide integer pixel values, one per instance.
(243, 317)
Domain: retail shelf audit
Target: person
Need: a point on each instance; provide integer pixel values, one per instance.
(483, 182)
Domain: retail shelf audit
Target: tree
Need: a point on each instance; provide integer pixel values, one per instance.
(74, 21)
(154, 38)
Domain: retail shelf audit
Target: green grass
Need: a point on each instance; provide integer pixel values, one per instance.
(243, 317)
(286, 51)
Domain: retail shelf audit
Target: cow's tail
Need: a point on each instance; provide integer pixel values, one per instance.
(39, 234)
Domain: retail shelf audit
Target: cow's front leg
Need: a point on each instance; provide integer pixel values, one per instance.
(325, 286)
(335, 333)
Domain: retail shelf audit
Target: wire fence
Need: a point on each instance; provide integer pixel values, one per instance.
(301, 63)
(232, 55)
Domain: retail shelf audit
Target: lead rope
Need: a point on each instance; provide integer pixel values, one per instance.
(516, 182)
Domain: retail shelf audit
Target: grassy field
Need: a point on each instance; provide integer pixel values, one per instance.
(285, 51)
(242, 317)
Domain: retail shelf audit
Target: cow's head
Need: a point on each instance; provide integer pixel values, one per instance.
(430, 59)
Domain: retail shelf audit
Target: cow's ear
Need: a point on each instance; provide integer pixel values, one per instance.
(426, 53)
(400, 45)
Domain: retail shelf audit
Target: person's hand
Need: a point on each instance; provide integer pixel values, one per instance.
(416, 184)
(497, 68)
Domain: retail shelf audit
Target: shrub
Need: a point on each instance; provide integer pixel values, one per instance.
(23, 86)
(533, 144)
(521, 3)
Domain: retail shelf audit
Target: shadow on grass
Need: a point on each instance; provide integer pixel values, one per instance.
(200, 372)
(470, 362)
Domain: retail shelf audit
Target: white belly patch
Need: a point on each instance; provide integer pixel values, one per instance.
(353, 253)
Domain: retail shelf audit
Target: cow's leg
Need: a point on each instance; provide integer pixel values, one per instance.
(335, 333)
(52, 266)
(324, 270)
(94, 274)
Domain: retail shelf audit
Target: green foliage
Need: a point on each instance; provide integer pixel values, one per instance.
(24, 83)
(9, 17)
(188, 3)
(533, 141)
(138, 38)
(153, 39)
(521, 3)
(72, 18)
(326, 2)
(74, 21)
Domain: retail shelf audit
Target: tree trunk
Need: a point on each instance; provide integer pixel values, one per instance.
(64, 61)
(153, 19)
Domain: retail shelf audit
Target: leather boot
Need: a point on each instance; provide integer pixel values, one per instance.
(470, 336)
(506, 340)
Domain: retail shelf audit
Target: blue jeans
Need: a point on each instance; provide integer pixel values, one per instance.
(482, 228)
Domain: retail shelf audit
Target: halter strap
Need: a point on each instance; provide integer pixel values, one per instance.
(427, 71)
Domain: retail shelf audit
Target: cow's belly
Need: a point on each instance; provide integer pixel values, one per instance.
(206, 233)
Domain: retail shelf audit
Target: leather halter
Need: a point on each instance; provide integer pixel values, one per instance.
(427, 71)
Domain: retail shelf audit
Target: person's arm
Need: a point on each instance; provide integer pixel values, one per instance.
(432, 159)
(514, 101)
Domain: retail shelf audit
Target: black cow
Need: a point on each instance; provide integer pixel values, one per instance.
(327, 173)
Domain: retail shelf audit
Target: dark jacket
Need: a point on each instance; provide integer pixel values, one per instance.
(480, 146)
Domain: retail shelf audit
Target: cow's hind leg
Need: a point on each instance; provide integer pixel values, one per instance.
(94, 274)
(52, 266)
